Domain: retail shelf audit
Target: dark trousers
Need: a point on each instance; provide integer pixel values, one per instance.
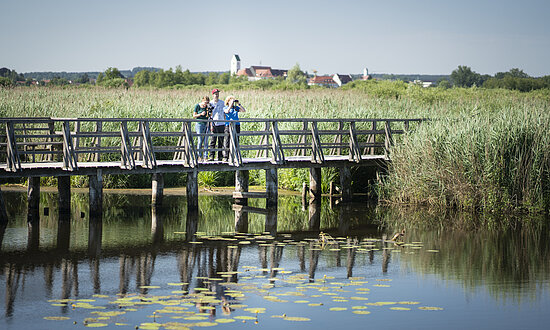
(217, 141)
(226, 139)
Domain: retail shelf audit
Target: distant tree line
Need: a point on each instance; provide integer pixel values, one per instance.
(168, 78)
(462, 76)
(515, 79)
(9, 77)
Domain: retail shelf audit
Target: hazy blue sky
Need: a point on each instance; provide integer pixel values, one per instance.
(344, 36)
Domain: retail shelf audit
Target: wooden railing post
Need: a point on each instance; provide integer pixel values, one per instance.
(354, 152)
(317, 151)
(338, 140)
(185, 140)
(13, 159)
(69, 155)
(127, 159)
(388, 142)
(149, 159)
(235, 158)
(278, 156)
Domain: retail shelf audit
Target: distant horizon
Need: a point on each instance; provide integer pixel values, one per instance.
(222, 71)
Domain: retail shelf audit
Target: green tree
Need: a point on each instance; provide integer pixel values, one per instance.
(143, 78)
(224, 78)
(443, 83)
(211, 79)
(515, 73)
(58, 81)
(5, 82)
(84, 79)
(113, 73)
(463, 76)
(296, 76)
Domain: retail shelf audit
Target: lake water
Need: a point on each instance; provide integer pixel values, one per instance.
(299, 266)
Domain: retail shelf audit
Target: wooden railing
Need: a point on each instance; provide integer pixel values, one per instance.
(68, 143)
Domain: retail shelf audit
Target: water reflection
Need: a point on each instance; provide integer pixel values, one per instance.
(145, 245)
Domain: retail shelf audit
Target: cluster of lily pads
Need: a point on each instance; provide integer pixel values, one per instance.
(226, 297)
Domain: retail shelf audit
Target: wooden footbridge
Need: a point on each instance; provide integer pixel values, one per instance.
(63, 147)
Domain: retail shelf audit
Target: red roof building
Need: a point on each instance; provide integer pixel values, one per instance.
(261, 72)
(325, 81)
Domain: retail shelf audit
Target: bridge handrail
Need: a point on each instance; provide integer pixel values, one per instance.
(141, 141)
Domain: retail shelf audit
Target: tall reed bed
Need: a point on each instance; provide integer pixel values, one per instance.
(484, 161)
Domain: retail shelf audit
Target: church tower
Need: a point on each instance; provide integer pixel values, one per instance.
(235, 64)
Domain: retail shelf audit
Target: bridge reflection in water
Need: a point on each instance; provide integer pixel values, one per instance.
(71, 269)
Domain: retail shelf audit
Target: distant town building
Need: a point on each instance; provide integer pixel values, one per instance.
(341, 79)
(337, 80)
(366, 75)
(235, 64)
(326, 81)
(423, 83)
(261, 72)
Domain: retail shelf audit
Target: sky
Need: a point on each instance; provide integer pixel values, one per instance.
(343, 36)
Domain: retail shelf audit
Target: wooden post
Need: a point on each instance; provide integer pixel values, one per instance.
(191, 224)
(241, 221)
(3, 211)
(315, 214)
(271, 182)
(304, 195)
(271, 220)
(241, 185)
(33, 199)
(157, 186)
(345, 183)
(63, 232)
(64, 190)
(315, 183)
(95, 233)
(157, 228)
(344, 219)
(192, 191)
(96, 195)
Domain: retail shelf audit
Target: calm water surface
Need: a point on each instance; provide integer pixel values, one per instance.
(298, 266)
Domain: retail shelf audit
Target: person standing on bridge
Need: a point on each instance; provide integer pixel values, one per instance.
(217, 127)
(201, 112)
(231, 110)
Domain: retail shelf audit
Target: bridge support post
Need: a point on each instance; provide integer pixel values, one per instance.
(271, 183)
(64, 190)
(271, 220)
(192, 191)
(157, 226)
(157, 186)
(345, 183)
(96, 195)
(315, 214)
(241, 185)
(3, 211)
(33, 199)
(315, 183)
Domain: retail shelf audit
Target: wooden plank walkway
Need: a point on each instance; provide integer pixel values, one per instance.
(84, 146)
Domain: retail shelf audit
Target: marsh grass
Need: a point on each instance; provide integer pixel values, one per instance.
(482, 149)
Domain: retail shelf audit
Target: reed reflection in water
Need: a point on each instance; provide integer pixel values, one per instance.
(217, 247)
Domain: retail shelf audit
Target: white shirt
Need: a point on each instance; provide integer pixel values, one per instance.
(217, 112)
